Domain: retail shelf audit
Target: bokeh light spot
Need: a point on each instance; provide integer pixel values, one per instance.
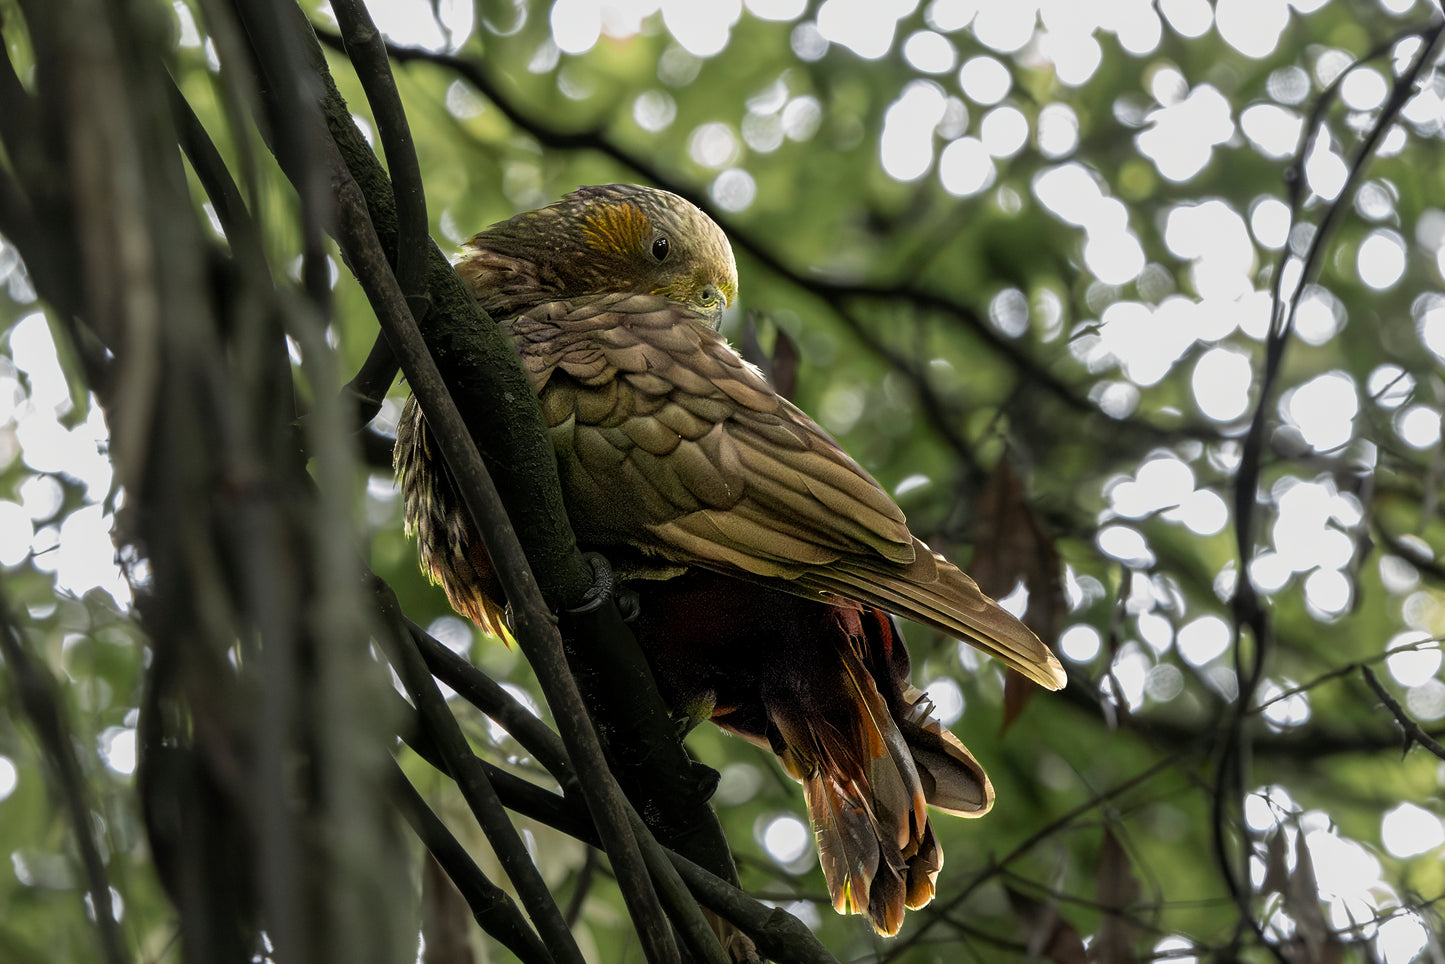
(1203, 639)
(1221, 383)
(948, 702)
(965, 167)
(906, 144)
(1324, 410)
(1381, 259)
(1253, 27)
(1004, 131)
(929, 52)
(1080, 643)
(786, 838)
(9, 777)
(984, 80)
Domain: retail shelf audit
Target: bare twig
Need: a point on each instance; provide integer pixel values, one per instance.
(480, 690)
(493, 909)
(945, 908)
(1413, 732)
(367, 51)
(477, 790)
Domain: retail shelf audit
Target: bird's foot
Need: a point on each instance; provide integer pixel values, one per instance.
(603, 588)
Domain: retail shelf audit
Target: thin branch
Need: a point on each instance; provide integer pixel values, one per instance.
(480, 690)
(476, 789)
(367, 390)
(1414, 733)
(516, 793)
(581, 888)
(491, 906)
(1233, 765)
(365, 47)
(230, 206)
(779, 935)
(1037, 837)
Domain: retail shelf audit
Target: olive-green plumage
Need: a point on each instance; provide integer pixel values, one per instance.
(672, 448)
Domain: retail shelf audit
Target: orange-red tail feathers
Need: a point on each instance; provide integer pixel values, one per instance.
(826, 687)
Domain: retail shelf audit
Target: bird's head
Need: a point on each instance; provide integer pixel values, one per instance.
(621, 238)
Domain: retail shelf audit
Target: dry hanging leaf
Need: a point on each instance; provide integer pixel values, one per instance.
(1276, 868)
(1116, 889)
(1017, 688)
(1046, 933)
(781, 367)
(750, 348)
(785, 364)
(1314, 941)
(446, 919)
(1011, 547)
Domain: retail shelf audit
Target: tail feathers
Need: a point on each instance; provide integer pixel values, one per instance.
(952, 780)
(867, 777)
(923, 868)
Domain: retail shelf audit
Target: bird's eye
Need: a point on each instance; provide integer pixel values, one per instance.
(659, 249)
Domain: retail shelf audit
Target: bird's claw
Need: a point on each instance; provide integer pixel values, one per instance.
(604, 587)
(604, 584)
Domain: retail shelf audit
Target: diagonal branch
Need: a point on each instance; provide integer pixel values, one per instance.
(490, 905)
(478, 791)
(1414, 733)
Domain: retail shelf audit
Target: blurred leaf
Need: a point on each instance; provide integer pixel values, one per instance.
(1276, 866)
(785, 363)
(1017, 689)
(1046, 933)
(1012, 547)
(1314, 941)
(780, 367)
(446, 919)
(1116, 889)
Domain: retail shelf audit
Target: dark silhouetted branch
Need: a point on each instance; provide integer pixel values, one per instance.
(1414, 733)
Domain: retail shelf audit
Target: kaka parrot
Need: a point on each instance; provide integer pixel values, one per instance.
(766, 560)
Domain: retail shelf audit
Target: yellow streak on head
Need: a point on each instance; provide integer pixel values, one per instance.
(618, 228)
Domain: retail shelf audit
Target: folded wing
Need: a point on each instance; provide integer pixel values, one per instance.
(719, 471)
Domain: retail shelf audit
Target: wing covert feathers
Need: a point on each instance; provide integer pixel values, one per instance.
(668, 441)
